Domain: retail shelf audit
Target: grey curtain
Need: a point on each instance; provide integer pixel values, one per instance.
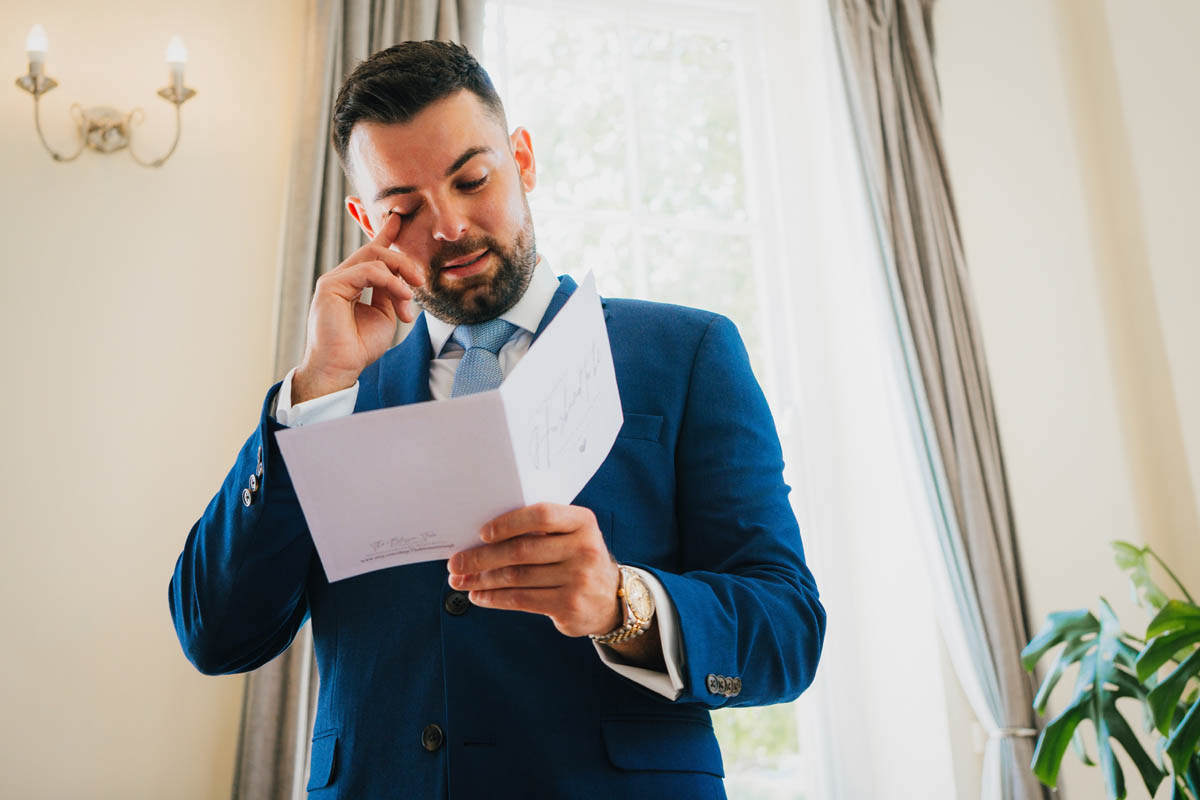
(886, 50)
(280, 698)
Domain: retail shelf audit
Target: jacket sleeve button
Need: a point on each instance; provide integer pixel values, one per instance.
(247, 498)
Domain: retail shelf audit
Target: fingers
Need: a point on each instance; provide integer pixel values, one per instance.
(379, 248)
(532, 576)
(391, 305)
(535, 601)
(399, 263)
(388, 231)
(532, 549)
(540, 518)
(348, 281)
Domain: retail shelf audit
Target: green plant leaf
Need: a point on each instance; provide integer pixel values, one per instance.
(1106, 673)
(1069, 656)
(1060, 626)
(1193, 776)
(1174, 628)
(1053, 741)
(1174, 635)
(1080, 748)
(1163, 700)
(1119, 729)
(1176, 615)
(1136, 561)
(1182, 744)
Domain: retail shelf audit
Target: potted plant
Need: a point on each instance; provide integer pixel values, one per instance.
(1160, 670)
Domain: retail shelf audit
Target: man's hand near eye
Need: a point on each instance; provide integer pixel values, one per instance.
(344, 335)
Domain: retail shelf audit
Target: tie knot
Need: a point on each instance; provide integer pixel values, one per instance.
(490, 335)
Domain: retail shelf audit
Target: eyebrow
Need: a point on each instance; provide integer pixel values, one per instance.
(467, 155)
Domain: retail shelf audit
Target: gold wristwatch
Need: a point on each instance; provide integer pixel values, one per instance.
(638, 604)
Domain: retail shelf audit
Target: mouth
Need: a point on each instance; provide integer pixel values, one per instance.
(465, 267)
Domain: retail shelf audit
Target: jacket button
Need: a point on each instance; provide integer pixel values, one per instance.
(247, 498)
(737, 686)
(253, 482)
(432, 738)
(457, 603)
(714, 684)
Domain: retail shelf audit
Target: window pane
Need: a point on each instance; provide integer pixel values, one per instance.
(561, 88)
(577, 246)
(707, 270)
(761, 751)
(689, 150)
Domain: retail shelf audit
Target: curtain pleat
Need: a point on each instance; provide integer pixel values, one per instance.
(886, 50)
(279, 704)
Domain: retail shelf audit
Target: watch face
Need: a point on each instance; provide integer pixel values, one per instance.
(641, 602)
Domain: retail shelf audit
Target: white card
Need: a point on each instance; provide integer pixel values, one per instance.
(416, 483)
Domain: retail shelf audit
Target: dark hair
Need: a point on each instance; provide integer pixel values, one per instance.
(394, 85)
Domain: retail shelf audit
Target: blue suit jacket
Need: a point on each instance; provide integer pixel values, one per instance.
(691, 491)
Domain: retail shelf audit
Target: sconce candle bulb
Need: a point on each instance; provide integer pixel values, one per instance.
(176, 52)
(36, 45)
(176, 59)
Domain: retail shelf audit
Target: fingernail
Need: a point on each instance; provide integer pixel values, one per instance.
(485, 533)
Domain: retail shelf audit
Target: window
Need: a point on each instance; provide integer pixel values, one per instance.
(641, 177)
(654, 125)
(638, 127)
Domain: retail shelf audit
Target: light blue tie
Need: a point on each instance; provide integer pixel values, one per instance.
(479, 370)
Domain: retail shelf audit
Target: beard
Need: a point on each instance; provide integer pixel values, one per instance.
(479, 298)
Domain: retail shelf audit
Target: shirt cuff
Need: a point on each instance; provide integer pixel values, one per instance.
(319, 409)
(669, 684)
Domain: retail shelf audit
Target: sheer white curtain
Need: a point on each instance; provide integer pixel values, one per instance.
(875, 722)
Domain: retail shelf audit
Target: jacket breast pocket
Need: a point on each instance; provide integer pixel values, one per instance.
(662, 742)
(647, 427)
(324, 756)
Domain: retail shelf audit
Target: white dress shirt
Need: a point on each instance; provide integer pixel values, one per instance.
(526, 315)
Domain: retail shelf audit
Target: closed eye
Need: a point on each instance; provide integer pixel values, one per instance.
(471, 186)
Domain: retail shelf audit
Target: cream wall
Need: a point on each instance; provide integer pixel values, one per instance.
(137, 340)
(137, 334)
(1070, 128)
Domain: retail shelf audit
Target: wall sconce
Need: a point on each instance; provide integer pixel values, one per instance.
(103, 128)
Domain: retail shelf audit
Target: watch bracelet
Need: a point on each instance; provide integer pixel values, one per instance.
(622, 634)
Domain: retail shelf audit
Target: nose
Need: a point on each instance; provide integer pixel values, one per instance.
(449, 223)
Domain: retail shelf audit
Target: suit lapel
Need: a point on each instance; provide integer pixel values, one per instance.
(404, 375)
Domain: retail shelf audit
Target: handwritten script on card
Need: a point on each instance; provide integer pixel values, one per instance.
(415, 483)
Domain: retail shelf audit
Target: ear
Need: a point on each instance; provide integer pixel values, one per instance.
(522, 150)
(358, 211)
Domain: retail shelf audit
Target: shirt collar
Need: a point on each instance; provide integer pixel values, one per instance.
(526, 314)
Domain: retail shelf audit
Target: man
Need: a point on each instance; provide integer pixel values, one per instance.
(576, 651)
